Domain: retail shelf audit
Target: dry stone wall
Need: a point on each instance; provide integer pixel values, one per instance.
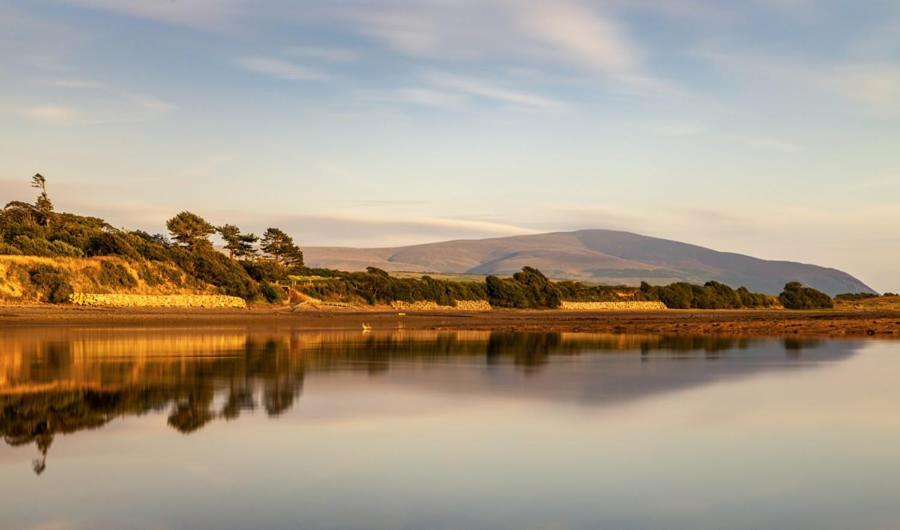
(146, 300)
(461, 305)
(613, 306)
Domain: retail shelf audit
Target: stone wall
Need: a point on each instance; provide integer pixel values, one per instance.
(613, 306)
(461, 305)
(146, 300)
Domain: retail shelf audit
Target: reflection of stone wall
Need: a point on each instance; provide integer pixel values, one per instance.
(461, 305)
(173, 300)
(613, 306)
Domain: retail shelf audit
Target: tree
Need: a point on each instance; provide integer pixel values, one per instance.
(796, 296)
(42, 205)
(541, 291)
(281, 247)
(190, 230)
(238, 245)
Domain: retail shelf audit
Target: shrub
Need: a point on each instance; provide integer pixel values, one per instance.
(795, 296)
(853, 297)
(51, 283)
(172, 274)
(110, 244)
(506, 293)
(61, 248)
(33, 246)
(265, 270)
(272, 293)
(7, 249)
(150, 247)
(540, 291)
(712, 295)
(116, 275)
(150, 278)
(223, 272)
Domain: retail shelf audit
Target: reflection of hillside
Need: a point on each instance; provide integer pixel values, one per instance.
(55, 382)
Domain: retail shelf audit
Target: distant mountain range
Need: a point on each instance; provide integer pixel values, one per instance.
(601, 256)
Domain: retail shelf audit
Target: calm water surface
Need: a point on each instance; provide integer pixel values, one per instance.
(250, 428)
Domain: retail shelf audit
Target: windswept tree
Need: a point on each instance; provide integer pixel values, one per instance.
(237, 244)
(796, 296)
(281, 247)
(42, 205)
(190, 230)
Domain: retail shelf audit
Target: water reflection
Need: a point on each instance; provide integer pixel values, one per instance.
(65, 381)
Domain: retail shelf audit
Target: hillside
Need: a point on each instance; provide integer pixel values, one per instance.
(603, 256)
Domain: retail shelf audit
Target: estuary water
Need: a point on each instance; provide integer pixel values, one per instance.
(246, 428)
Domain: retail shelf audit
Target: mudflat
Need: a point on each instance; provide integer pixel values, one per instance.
(834, 323)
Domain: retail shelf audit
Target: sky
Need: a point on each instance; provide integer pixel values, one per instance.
(766, 127)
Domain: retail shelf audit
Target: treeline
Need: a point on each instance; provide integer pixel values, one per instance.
(711, 295)
(858, 297)
(376, 286)
(250, 270)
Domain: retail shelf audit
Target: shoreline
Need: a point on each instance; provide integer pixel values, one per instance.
(883, 324)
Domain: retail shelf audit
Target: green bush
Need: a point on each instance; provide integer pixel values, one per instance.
(272, 293)
(506, 293)
(7, 249)
(711, 295)
(225, 273)
(541, 292)
(110, 244)
(172, 274)
(265, 270)
(854, 297)
(149, 277)
(61, 248)
(51, 283)
(33, 246)
(795, 296)
(116, 275)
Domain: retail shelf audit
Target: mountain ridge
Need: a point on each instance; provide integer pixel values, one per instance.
(596, 255)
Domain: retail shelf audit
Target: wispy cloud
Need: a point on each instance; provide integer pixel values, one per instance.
(50, 113)
(586, 36)
(433, 98)
(564, 32)
(339, 55)
(119, 106)
(194, 13)
(873, 83)
(489, 90)
(279, 69)
(75, 83)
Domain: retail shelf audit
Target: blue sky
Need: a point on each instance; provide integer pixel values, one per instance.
(768, 127)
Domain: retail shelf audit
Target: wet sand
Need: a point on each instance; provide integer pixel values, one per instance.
(835, 323)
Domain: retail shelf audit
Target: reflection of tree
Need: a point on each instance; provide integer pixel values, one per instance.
(188, 389)
(269, 373)
(529, 351)
(192, 413)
